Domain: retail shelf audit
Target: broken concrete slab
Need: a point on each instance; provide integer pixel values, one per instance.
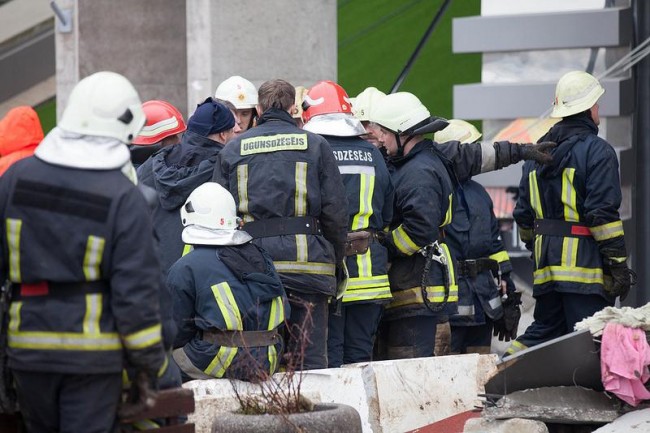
(514, 425)
(637, 421)
(562, 404)
(570, 360)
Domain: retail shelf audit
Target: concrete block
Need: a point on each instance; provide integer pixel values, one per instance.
(637, 421)
(514, 425)
(416, 392)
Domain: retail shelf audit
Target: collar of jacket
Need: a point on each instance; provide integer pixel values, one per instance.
(194, 139)
(419, 147)
(275, 114)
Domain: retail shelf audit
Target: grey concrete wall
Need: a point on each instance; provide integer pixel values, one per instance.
(260, 40)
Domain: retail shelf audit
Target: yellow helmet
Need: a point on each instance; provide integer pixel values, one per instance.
(399, 112)
(457, 130)
(362, 104)
(576, 91)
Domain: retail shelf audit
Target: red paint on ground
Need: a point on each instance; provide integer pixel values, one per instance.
(453, 424)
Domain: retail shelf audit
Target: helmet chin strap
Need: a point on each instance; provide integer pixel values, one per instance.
(400, 146)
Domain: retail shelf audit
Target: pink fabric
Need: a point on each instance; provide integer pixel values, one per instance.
(624, 360)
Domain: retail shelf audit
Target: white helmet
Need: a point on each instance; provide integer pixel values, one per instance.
(457, 130)
(576, 91)
(362, 104)
(211, 206)
(104, 104)
(399, 112)
(239, 91)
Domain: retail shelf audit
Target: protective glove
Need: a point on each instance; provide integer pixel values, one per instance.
(506, 327)
(141, 396)
(538, 152)
(381, 237)
(618, 278)
(342, 279)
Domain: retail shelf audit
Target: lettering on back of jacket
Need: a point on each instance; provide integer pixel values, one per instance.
(273, 143)
(352, 155)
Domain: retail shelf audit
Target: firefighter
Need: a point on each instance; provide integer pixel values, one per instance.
(568, 217)
(301, 91)
(78, 249)
(353, 321)
(176, 170)
(164, 127)
(243, 95)
(422, 274)
(20, 133)
(289, 192)
(480, 257)
(229, 303)
(361, 106)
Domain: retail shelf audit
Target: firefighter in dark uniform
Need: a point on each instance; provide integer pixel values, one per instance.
(354, 318)
(568, 217)
(475, 242)
(78, 248)
(229, 303)
(289, 192)
(422, 273)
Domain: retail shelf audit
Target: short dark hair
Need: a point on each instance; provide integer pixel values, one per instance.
(278, 94)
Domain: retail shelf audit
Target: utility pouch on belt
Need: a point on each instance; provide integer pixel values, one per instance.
(357, 243)
(242, 338)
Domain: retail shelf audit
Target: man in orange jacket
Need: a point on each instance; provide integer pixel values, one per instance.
(20, 133)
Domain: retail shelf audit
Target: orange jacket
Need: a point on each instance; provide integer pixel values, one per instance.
(20, 133)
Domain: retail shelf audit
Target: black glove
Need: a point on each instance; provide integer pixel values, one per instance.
(141, 396)
(618, 278)
(506, 327)
(381, 237)
(538, 152)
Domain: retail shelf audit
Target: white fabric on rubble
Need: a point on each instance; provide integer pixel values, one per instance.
(626, 316)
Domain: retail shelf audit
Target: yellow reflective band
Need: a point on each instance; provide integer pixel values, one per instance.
(144, 338)
(569, 195)
(525, 235)
(368, 282)
(276, 316)
(403, 242)
(63, 341)
(242, 191)
(14, 315)
(364, 265)
(13, 243)
(302, 252)
(368, 294)
(618, 259)
(366, 190)
(221, 362)
(515, 347)
(305, 267)
(535, 200)
(164, 366)
(145, 424)
(538, 249)
(300, 206)
(228, 307)
(450, 265)
(573, 274)
(411, 296)
(569, 252)
(273, 358)
(93, 313)
(93, 257)
(187, 249)
(125, 379)
(607, 231)
(448, 214)
(500, 257)
(273, 143)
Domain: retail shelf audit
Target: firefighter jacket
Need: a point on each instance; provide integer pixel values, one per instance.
(78, 248)
(20, 133)
(174, 172)
(286, 177)
(568, 211)
(472, 237)
(369, 191)
(423, 205)
(226, 288)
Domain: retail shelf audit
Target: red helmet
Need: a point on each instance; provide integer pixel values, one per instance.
(163, 120)
(325, 97)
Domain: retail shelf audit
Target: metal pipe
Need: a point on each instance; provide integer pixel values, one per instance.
(416, 53)
(641, 141)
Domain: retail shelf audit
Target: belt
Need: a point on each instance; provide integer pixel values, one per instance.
(561, 228)
(473, 267)
(242, 338)
(283, 226)
(51, 288)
